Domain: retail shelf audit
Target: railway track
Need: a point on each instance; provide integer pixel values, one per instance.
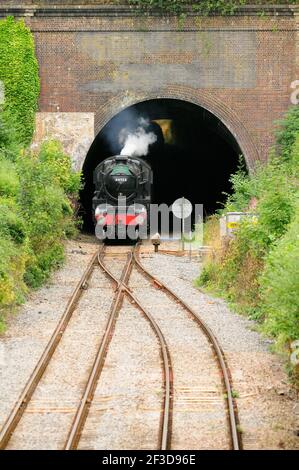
(235, 435)
(29, 389)
(122, 289)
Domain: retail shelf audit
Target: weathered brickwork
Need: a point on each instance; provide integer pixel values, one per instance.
(74, 130)
(240, 68)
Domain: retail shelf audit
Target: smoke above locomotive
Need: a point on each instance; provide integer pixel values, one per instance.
(136, 143)
(132, 134)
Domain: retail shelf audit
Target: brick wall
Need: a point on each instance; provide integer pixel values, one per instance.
(102, 59)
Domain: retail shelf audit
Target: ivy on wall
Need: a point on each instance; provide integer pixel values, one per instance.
(178, 6)
(204, 7)
(19, 73)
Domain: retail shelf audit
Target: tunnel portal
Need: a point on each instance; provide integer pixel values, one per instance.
(193, 156)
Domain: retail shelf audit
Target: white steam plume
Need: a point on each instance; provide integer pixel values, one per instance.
(136, 144)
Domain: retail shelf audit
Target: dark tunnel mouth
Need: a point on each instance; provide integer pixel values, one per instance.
(196, 164)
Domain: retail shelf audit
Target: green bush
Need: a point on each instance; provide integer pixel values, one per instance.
(258, 270)
(280, 286)
(10, 148)
(9, 180)
(13, 257)
(12, 225)
(40, 266)
(287, 135)
(46, 207)
(35, 217)
(19, 73)
(242, 191)
(7, 284)
(52, 155)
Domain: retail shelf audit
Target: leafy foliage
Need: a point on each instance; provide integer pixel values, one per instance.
(9, 182)
(52, 155)
(179, 6)
(280, 286)
(19, 73)
(258, 270)
(243, 191)
(203, 7)
(286, 137)
(35, 217)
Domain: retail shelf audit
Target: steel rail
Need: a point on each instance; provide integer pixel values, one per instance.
(236, 439)
(86, 400)
(30, 387)
(164, 439)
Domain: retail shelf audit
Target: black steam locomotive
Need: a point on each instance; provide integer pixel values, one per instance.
(122, 198)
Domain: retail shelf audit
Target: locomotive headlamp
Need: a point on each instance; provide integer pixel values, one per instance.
(139, 220)
(101, 210)
(100, 214)
(139, 210)
(140, 213)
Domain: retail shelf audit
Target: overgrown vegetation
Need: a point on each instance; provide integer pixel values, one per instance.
(203, 7)
(35, 217)
(35, 189)
(258, 270)
(179, 6)
(19, 73)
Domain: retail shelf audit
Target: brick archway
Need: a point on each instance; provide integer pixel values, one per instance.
(200, 98)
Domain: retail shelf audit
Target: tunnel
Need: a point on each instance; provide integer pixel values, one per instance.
(193, 156)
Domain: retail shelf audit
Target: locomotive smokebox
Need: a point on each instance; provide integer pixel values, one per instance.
(120, 180)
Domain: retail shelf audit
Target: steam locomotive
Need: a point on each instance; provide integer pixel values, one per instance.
(122, 197)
